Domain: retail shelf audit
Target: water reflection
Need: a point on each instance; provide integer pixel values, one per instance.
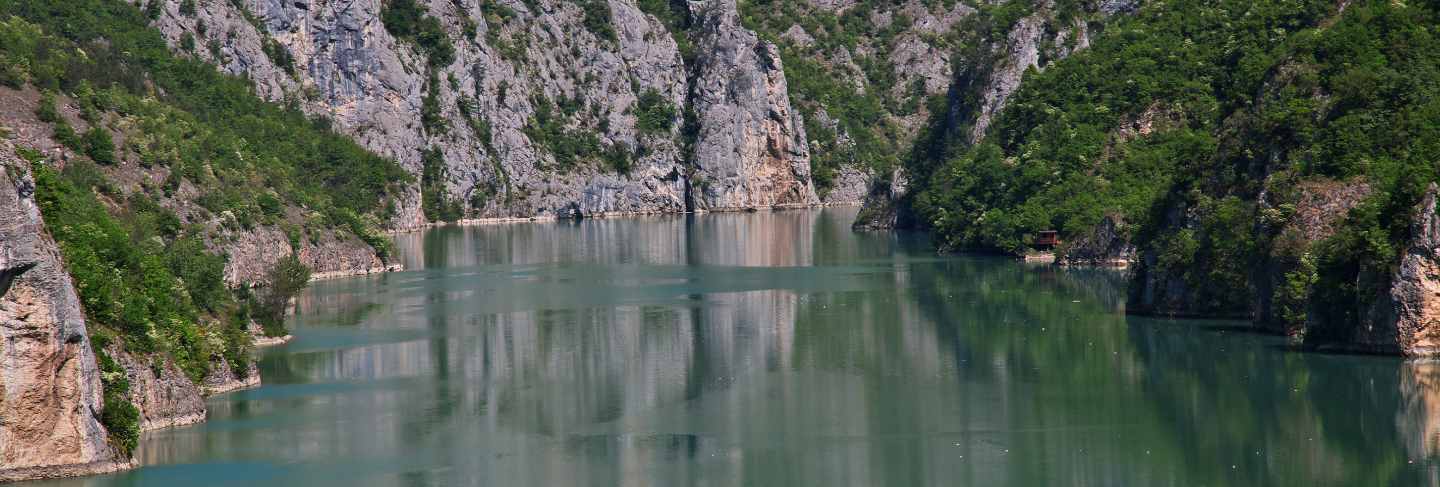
(780, 349)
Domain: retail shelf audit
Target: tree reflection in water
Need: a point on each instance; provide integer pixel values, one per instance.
(783, 349)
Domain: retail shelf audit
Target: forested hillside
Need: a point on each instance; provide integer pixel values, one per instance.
(1266, 158)
(154, 174)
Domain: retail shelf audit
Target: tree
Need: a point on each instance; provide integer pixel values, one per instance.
(286, 279)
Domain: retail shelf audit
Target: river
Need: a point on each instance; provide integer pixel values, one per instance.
(779, 349)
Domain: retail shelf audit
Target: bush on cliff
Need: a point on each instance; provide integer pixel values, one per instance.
(284, 282)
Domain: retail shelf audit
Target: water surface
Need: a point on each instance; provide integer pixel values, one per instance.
(779, 349)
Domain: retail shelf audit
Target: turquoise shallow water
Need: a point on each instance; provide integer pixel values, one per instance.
(779, 349)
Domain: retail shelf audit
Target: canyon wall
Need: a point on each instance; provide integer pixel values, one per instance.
(50, 391)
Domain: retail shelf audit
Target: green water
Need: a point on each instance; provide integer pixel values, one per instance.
(780, 349)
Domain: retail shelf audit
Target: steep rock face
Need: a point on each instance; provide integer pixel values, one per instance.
(1407, 320)
(1107, 245)
(224, 378)
(160, 390)
(751, 149)
(254, 253)
(1023, 54)
(1320, 209)
(883, 208)
(50, 395)
(979, 90)
(851, 186)
(865, 83)
(519, 80)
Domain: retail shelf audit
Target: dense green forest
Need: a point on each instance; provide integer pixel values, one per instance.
(1244, 105)
(146, 277)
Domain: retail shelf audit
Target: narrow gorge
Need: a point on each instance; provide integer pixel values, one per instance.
(176, 172)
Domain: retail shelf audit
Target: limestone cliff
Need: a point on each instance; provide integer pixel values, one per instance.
(50, 395)
(751, 150)
(980, 85)
(539, 114)
(1406, 319)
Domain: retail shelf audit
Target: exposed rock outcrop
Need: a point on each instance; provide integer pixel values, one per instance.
(1023, 54)
(254, 253)
(50, 395)
(224, 378)
(164, 395)
(852, 185)
(1407, 319)
(883, 208)
(1107, 245)
(979, 90)
(751, 150)
(538, 60)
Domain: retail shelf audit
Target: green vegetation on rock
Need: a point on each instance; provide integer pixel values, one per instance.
(150, 282)
(1207, 122)
(411, 22)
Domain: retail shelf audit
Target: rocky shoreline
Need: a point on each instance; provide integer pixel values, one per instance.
(328, 275)
(65, 471)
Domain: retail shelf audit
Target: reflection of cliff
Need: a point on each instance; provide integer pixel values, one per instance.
(1418, 419)
(1334, 419)
(780, 349)
(727, 338)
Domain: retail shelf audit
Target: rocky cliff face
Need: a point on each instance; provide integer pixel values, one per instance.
(864, 84)
(50, 395)
(164, 395)
(328, 254)
(539, 114)
(1406, 319)
(1107, 245)
(978, 89)
(751, 151)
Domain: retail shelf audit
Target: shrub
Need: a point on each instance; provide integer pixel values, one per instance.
(119, 416)
(278, 54)
(655, 114)
(98, 145)
(410, 22)
(284, 281)
(431, 118)
(598, 19)
(434, 193)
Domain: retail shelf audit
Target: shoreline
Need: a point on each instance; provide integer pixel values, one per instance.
(56, 472)
(506, 220)
(328, 275)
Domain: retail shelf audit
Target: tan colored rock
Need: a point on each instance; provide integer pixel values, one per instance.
(1410, 322)
(50, 392)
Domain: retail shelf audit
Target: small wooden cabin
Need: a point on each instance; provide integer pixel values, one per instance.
(1047, 240)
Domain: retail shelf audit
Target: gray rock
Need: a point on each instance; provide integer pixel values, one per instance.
(372, 86)
(751, 151)
(852, 185)
(1106, 245)
(164, 395)
(1021, 51)
(884, 208)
